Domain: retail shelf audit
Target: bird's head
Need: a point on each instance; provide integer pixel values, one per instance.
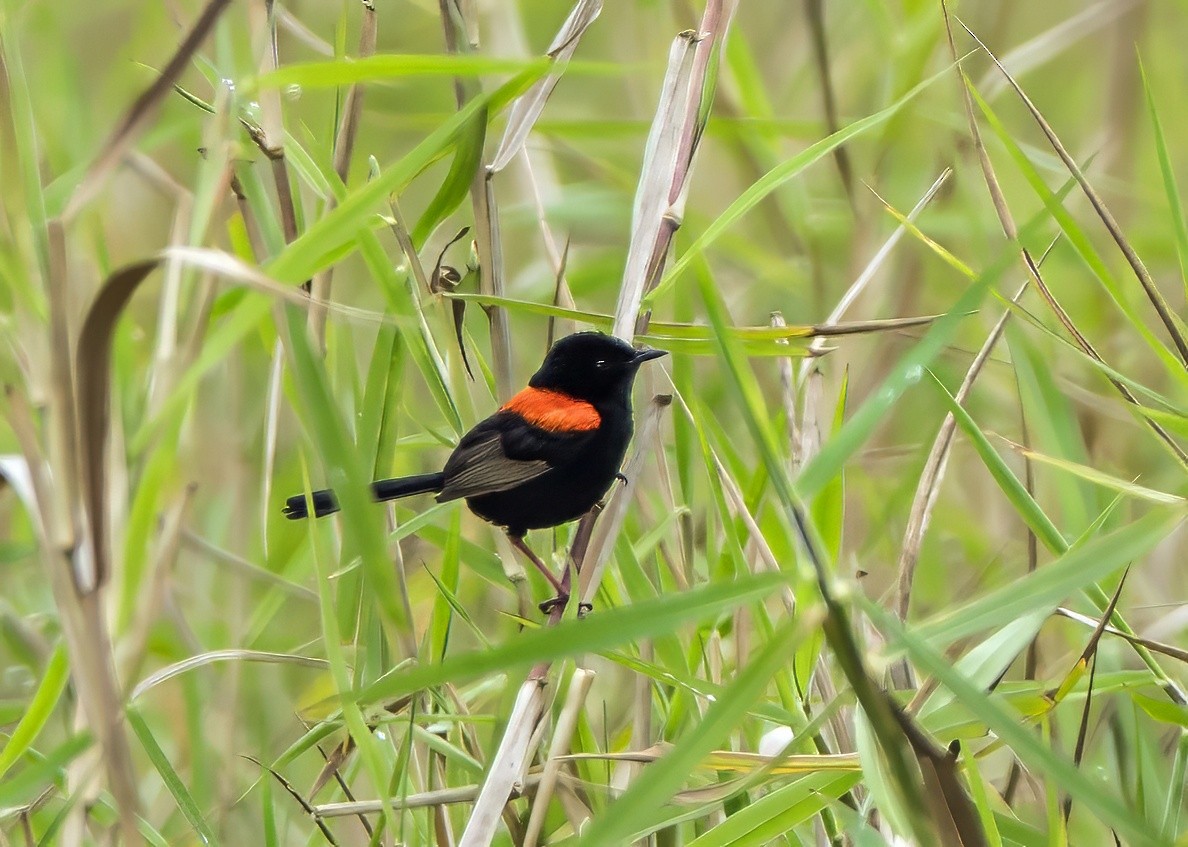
(591, 366)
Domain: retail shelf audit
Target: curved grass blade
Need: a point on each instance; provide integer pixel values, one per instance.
(1045, 589)
(598, 632)
(38, 711)
(1005, 723)
(173, 782)
(1098, 477)
(664, 778)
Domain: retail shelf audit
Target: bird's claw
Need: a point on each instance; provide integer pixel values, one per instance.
(621, 478)
(552, 603)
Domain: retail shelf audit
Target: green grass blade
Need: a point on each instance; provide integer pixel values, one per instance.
(173, 782)
(1170, 187)
(664, 778)
(309, 252)
(1089, 794)
(764, 821)
(1048, 587)
(347, 473)
(601, 631)
(773, 179)
(24, 786)
(1022, 501)
(388, 66)
(37, 713)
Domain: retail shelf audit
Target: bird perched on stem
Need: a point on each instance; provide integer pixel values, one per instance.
(545, 458)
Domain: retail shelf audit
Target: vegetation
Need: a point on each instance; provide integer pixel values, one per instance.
(898, 557)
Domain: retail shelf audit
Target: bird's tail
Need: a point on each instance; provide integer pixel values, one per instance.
(324, 502)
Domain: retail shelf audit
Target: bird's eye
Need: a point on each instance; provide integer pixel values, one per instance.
(600, 364)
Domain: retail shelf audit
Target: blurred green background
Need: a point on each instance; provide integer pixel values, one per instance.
(200, 403)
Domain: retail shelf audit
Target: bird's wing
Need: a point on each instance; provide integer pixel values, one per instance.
(482, 467)
(502, 452)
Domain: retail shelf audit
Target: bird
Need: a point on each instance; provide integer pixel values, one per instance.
(545, 458)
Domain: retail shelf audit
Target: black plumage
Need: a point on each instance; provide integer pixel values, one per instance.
(547, 456)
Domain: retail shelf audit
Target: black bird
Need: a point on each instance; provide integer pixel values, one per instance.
(546, 457)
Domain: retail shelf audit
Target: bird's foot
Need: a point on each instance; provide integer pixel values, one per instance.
(621, 478)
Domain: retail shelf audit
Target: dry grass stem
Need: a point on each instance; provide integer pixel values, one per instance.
(863, 280)
(528, 107)
(1132, 258)
(575, 701)
(929, 484)
(669, 156)
(505, 772)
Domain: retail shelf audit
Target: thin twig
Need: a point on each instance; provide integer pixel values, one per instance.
(1132, 258)
(142, 111)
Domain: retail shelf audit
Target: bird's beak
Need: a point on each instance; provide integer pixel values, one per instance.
(647, 354)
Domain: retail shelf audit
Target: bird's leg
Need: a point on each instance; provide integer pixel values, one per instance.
(562, 590)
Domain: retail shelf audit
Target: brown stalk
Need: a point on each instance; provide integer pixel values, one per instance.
(1169, 650)
(344, 147)
(255, 238)
(814, 10)
(928, 487)
(1089, 656)
(403, 238)
(94, 389)
(269, 136)
(886, 719)
(1031, 660)
(81, 540)
(524, 113)
(296, 795)
(142, 111)
(348, 794)
(77, 558)
(956, 818)
(988, 175)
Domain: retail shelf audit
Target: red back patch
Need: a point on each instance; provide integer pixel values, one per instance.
(553, 410)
